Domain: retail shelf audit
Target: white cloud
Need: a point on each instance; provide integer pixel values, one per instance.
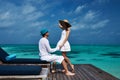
(5, 15)
(77, 26)
(34, 24)
(33, 16)
(91, 20)
(100, 24)
(28, 9)
(31, 35)
(52, 15)
(6, 19)
(79, 9)
(14, 16)
(5, 24)
(91, 15)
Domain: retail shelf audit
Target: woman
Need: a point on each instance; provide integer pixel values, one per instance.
(63, 42)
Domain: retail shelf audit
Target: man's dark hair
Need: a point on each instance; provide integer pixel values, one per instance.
(43, 35)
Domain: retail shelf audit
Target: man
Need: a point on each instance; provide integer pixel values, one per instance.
(45, 50)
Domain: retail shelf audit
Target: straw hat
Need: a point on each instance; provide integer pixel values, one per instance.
(65, 23)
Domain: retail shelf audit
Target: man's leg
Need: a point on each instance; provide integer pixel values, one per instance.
(60, 59)
(53, 67)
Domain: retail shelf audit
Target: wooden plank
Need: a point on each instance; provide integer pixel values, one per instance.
(90, 73)
(101, 73)
(84, 72)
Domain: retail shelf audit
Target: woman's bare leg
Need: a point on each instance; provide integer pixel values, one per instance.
(68, 61)
(67, 72)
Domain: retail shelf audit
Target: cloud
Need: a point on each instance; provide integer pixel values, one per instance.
(12, 15)
(30, 35)
(75, 11)
(91, 20)
(24, 21)
(34, 16)
(27, 9)
(100, 24)
(5, 24)
(78, 25)
(25, 18)
(6, 19)
(28, 12)
(79, 9)
(90, 15)
(5, 15)
(52, 15)
(38, 23)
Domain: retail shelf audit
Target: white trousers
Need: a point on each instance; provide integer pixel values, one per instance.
(53, 58)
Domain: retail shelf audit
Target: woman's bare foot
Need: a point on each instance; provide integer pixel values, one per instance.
(69, 73)
(73, 70)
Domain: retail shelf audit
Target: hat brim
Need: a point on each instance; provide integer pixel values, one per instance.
(64, 24)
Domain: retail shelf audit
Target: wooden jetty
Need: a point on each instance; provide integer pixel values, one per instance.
(83, 72)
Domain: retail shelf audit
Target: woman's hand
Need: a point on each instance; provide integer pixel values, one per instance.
(60, 46)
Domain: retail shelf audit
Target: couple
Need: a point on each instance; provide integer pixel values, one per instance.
(63, 45)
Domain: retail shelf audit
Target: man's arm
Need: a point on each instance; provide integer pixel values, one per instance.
(49, 49)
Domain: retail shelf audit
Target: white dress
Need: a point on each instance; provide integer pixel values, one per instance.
(66, 46)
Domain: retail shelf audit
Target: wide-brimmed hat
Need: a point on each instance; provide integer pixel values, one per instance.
(65, 23)
(43, 31)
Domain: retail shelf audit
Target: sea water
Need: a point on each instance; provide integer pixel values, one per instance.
(106, 57)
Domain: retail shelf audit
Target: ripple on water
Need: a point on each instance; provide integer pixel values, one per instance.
(112, 54)
(80, 60)
(71, 56)
(95, 59)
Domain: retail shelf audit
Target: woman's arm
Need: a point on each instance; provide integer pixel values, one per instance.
(66, 38)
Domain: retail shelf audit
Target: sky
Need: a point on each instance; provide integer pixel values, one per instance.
(93, 21)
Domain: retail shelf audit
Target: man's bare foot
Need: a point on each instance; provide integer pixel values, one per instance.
(69, 73)
(53, 71)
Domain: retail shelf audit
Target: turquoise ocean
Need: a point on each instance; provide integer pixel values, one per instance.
(105, 57)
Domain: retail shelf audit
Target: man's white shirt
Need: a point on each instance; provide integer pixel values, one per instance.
(44, 47)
